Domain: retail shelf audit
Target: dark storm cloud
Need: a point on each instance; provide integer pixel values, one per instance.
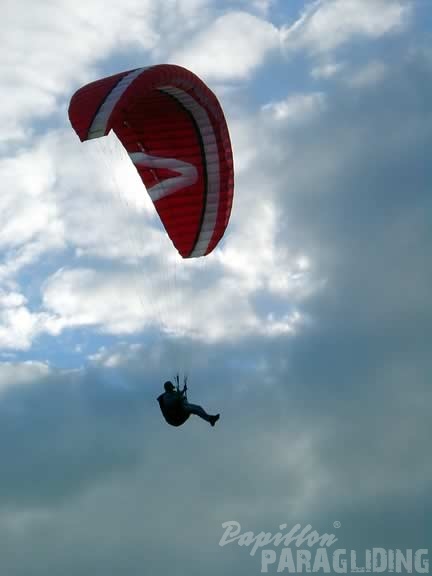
(356, 195)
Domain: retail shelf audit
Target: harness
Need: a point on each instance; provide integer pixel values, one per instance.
(177, 415)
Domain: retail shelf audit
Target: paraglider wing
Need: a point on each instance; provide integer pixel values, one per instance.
(175, 133)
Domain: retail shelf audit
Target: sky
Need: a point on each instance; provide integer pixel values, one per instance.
(308, 328)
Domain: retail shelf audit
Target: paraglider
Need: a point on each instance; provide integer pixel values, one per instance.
(175, 407)
(175, 133)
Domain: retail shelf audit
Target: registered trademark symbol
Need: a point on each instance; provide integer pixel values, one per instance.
(336, 524)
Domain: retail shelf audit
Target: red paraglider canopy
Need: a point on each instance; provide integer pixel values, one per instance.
(175, 133)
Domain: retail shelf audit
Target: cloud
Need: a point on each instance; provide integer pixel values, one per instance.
(356, 207)
(371, 73)
(327, 70)
(32, 225)
(84, 297)
(21, 373)
(297, 107)
(86, 181)
(46, 49)
(310, 449)
(126, 301)
(326, 25)
(309, 329)
(19, 325)
(231, 48)
(115, 423)
(255, 266)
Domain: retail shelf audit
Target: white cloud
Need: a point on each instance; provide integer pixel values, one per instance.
(18, 327)
(286, 324)
(114, 358)
(231, 48)
(11, 300)
(70, 198)
(327, 24)
(27, 204)
(45, 48)
(104, 207)
(48, 49)
(85, 196)
(370, 74)
(297, 107)
(123, 303)
(84, 297)
(21, 373)
(327, 70)
(73, 200)
(105, 218)
(256, 262)
(128, 298)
